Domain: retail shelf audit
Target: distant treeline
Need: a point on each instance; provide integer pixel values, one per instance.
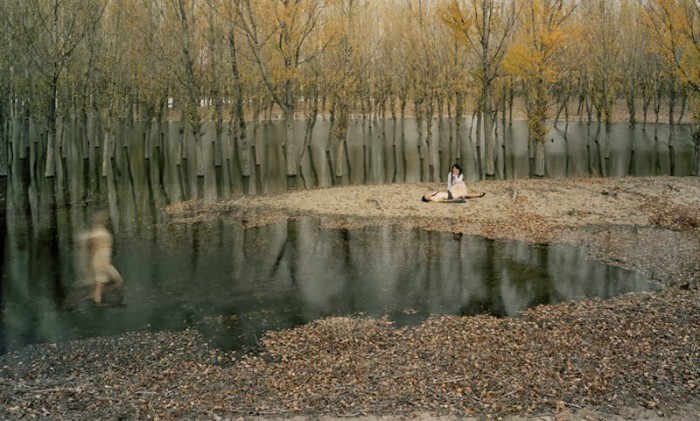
(235, 61)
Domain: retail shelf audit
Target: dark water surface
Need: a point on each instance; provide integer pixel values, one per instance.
(233, 284)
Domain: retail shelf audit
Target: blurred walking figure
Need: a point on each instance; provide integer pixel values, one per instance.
(94, 268)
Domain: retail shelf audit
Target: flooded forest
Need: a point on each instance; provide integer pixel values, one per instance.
(256, 174)
(137, 104)
(204, 99)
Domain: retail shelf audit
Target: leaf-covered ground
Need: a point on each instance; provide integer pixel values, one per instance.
(638, 350)
(580, 360)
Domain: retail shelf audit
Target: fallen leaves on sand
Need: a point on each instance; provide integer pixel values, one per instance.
(672, 216)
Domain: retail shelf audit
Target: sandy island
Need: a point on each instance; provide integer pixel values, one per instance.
(634, 356)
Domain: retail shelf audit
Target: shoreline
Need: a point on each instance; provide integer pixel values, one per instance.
(633, 356)
(611, 216)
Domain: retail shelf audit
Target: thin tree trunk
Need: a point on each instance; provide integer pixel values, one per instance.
(341, 136)
(331, 128)
(489, 152)
(106, 145)
(429, 138)
(4, 121)
(696, 161)
(240, 116)
(308, 134)
(50, 170)
(290, 143)
(479, 161)
(459, 113)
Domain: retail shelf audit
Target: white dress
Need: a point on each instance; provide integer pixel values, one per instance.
(452, 180)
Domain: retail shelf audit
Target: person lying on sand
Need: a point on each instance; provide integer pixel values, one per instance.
(455, 193)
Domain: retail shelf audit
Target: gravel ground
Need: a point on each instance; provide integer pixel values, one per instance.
(634, 356)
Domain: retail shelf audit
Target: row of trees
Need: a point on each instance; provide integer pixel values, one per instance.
(232, 61)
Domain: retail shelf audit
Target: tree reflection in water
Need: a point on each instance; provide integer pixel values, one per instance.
(239, 283)
(235, 283)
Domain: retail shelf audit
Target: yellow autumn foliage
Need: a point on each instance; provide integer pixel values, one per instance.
(673, 27)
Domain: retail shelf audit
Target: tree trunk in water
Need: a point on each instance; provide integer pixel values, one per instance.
(632, 106)
(257, 147)
(240, 117)
(696, 161)
(597, 144)
(341, 135)
(105, 150)
(429, 139)
(393, 148)
(329, 139)
(537, 135)
(217, 144)
(3, 143)
(199, 150)
(306, 148)
(657, 104)
(441, 127)
(366, 153)
(672, 127)
(608, 128)
(511, 100)
(417, 107)
(504, 121)
(147, 141)
(50, 169)
(479, 161)
(459, 111)
(403, 137)
(489, 154)
(290, 143)
(339, 160)
(539, 157)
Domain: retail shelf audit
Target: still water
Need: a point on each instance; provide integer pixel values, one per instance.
(233, 284)
(159, 162)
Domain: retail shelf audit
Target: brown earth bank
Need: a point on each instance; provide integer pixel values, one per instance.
(633, 356)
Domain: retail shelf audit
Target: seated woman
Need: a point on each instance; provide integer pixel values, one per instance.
(456, 192)
(455, 176)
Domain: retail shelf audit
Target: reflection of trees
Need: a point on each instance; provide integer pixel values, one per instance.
(3, 245)
(489, 301)
(152, 183)
(38, 259)
(322, 264)
(235, 282)
(375, 263)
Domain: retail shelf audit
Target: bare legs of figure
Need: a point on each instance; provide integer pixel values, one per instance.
(115, 282)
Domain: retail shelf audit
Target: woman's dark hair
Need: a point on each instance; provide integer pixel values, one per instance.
(458, 168)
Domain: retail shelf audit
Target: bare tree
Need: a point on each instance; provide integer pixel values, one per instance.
(49, 32)
(674, 27)
(279, 34)
(536, 58)
(189, 74)
(485, 26)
